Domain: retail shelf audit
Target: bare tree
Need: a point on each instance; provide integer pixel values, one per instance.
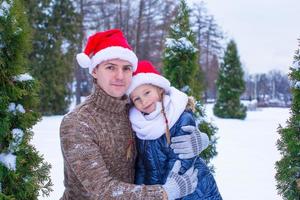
(211, 77)
(139, 27)
(269, 89)
(209, 37)
(144, 23)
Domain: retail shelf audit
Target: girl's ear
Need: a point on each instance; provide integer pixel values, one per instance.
(161, 92)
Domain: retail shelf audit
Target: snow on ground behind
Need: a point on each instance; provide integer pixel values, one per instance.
(46, 140)
(247, 154)
(244, 165)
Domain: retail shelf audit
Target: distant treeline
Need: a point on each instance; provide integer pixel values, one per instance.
(269, 89)
(60, 29)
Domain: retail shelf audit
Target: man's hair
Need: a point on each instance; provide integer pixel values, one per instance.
(94, 80)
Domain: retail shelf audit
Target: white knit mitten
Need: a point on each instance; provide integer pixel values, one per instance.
(178, 186)
(189, 146)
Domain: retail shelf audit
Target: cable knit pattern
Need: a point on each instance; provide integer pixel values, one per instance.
(94, 139)
(185, 184)
(199, 141)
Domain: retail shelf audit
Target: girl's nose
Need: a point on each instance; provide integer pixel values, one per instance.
(143, 101)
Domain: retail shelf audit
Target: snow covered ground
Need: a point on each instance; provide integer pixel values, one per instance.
(46, 140)
(244, 165)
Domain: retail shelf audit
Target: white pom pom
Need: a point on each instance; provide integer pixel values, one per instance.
(83, 60)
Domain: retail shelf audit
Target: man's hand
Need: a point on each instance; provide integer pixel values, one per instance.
(189, 146)
(178, 186)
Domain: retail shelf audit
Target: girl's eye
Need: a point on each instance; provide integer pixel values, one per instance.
(147, 92)
(135, 100)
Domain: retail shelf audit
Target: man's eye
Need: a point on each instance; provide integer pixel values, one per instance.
(127, 68)
(110, 67)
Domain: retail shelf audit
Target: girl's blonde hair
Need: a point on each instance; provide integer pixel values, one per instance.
(191, 105)
(168, 134)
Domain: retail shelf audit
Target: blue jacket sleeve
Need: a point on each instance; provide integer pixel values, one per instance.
(139, 168)
(185, 119)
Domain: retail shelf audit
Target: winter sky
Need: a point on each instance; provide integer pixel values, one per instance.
(266, 31)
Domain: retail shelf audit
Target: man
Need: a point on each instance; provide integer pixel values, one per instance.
(96, 137)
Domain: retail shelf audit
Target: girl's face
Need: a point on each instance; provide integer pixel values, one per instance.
(145, 97)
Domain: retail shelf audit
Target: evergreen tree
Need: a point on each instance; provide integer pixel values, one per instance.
(181, 67)
(180, 57)
(230, 86)
(210, 130)
(23, 172)
(55, 36)
(288, 168)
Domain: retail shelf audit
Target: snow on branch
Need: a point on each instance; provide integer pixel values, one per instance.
(8, 160)
(297, 85)
(13, 108)
(4, 8)
(17, 138)
(23, 77)
(296, 65)
(182, 43)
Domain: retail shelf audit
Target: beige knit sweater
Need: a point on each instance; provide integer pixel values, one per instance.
(94, 139)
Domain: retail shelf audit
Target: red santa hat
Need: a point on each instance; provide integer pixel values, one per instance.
(147, 74)
(104, 46)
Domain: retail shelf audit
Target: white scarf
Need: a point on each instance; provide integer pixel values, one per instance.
(152, 126)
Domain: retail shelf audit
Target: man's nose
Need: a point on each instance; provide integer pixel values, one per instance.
(119, 74)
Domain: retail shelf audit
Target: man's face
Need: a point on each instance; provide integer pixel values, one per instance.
(114, 76)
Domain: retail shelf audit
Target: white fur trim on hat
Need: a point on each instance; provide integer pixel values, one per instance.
(107, 54)
(83, 60)
(113, 53)
(149, 78)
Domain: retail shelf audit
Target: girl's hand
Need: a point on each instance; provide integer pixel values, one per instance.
(191, 145)
(178, 186)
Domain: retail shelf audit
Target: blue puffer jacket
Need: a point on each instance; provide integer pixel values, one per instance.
(156, 159)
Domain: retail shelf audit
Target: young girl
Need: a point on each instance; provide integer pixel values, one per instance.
(158, 114)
